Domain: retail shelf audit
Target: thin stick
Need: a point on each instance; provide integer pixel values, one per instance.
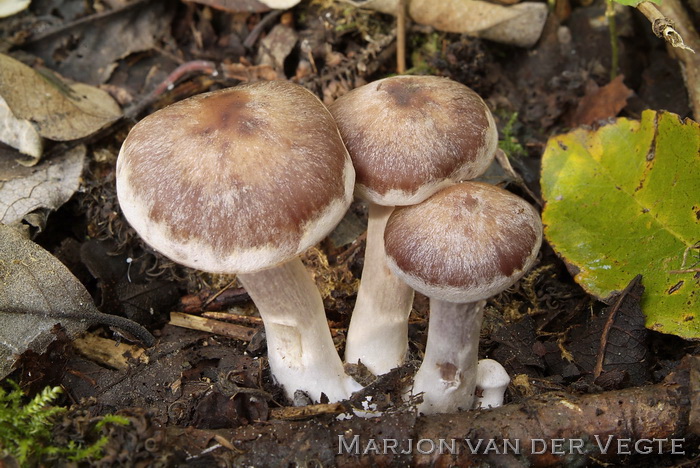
(213, 298)
(401, 37)
(229, 317)
(117, 355)
(295, 413)
(193, 322)
(662, 26)
(690, 62)
(612, 27)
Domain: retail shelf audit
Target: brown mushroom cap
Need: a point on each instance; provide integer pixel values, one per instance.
(236, 180)
(409, 136)
(465, 243)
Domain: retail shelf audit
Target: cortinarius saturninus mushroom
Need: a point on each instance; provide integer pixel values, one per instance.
(243, 180)
(459, 247)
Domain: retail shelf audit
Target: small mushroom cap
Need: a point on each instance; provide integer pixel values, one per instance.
(236, 180)
(409, 136)
(491, 374)
(466, 243)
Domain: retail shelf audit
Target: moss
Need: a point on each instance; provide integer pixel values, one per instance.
(26, 428)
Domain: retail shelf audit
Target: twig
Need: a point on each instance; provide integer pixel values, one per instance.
(662, 26)
(690, 62)
(254, 34)
(127, 327)
(218, 293)
(687, 268)
(193, 322)
(612, 28)
(195, 66)
(229, 317)
(295, 413)
(117, 355)
(401, 37)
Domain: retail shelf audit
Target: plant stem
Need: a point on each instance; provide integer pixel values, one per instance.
(612, 27)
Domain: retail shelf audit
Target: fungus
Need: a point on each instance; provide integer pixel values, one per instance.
(243, 180)
(492, 380)
(459, 247)
(408, 137)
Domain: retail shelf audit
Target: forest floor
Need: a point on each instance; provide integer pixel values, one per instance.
(206, 398)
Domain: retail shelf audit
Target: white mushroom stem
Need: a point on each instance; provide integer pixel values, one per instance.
(447, 375)
(300, 349)
(378, 332)
(492, 379)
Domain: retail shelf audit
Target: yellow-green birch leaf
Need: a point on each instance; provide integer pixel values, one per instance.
(624, 200)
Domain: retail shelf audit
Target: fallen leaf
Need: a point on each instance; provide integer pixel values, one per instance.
(18, 133)
(519, 24)
(625, 200)
(59, 110)
(276, 46)
(48, 185)
(237, 6)
(36, 293)
(601, 103)
(615, 340)
(88, 49)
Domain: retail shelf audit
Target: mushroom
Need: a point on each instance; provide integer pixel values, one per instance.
(459, 247)
(243, 180)
(492, 381)
(408, 137)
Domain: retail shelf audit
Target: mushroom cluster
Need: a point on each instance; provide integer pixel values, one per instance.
(243, 180)
(408, 137)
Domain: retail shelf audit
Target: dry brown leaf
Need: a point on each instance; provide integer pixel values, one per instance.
(31, 278)
(276, 46)
(519, 25)
(60, 111)
(49, 185)
(90, 48)
(601, 103)
(37, 292)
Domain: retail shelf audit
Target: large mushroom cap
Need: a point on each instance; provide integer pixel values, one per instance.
(465, 243)
(236, 180)
(409, 136)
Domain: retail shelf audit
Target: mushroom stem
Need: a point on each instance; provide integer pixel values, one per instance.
(300, 349)
(447, 375)
(378, 331)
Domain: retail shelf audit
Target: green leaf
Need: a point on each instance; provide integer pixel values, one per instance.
(634, 3)
(625, 200)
